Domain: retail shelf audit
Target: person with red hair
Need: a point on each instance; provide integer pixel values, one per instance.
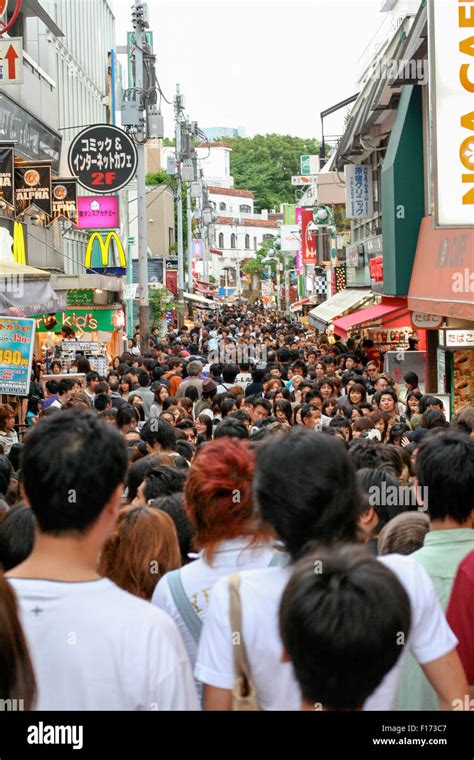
(219, 502)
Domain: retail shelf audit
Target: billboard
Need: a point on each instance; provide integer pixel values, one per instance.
(359, 192)
(98, 212)
(17, 338)
(309, 233)
(450, 36)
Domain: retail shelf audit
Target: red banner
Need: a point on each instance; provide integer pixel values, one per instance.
(309, 232)
(172, 281)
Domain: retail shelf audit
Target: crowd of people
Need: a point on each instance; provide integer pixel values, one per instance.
(249, 515)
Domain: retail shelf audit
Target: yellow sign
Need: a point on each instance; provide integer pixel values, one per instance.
(105, 249)
(19, 244)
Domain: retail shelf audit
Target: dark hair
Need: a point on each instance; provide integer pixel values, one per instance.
(306, 411)
(101, 402)
(163, 481)
(17, 680)
(358, 387)
(427, 401)
(411, 378)
(14, 457)
(65, 385)
(192, 393)
(72, 463)
(282, 405)
(264, 402)
(143, 379)
(125, 414)
(173, 505)
(306, 488)
(17, 535)
(186, 449)
(5, 473)
(411, 394)
(229, 427)
(228, 405)
(379, 487)
(433, 418)
(229, 373)
(445, 467)
(159, 431)
(137, 474)
(93, 375)
(365, 453)
(52, 386)
(341, 626)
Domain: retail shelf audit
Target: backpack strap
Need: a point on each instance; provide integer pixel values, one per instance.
(191, 619)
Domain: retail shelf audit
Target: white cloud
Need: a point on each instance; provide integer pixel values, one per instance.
(268, 66)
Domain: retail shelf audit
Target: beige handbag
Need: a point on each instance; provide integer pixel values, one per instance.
(244, 693)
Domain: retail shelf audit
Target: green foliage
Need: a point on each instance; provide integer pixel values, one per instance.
(264, 164)
(160, 301)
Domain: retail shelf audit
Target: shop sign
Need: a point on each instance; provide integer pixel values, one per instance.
(7, 174)
(33, 188)
(426, 321)
(458, 338)
(82, 320)
(376, 268)
(80, 297)
(359, 194)
(451, 52)
(65, 200)
(16, 355)
(103, 158)
(309, 232)
(111, 241)
(34, 141)
(98, 212)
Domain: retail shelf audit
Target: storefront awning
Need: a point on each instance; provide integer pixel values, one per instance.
(25, 291)
(370, 314)
(298, 305)
(345, 300)
(205, 303)
(441, 280)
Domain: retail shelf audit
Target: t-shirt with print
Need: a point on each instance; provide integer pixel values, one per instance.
(199, 577)
(261, 591)
(94, 646)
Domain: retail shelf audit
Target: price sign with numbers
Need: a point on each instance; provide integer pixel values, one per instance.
(17, 337)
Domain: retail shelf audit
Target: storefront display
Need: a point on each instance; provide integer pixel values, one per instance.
(455, 362)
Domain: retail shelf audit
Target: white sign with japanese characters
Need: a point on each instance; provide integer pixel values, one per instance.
(359, 193)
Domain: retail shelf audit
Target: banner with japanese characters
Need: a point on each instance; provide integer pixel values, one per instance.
(17, 338)
(359, 193)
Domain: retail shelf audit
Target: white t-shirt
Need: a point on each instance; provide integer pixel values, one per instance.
(261, 591)
(97, 647)
(199, 577)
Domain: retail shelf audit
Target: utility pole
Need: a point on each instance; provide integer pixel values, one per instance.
(189, 218)
(140, 24)
(179, 201)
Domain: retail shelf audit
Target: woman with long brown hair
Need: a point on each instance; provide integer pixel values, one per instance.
(17, 680)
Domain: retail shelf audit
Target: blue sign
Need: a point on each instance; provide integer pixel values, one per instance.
(17, 337)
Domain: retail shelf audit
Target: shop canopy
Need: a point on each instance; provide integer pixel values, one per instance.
(26, 291)
(370, 314)
(441, 280)
(342, 302)
(204, 303)
(298, 305)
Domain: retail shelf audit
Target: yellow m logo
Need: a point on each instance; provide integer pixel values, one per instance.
(105, 246)
(19, 244)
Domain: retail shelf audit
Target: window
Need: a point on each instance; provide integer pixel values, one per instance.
(247, 242)
(232, 241)
(268, 237)
(222, 206)
(170, 236)
(245, 209)
(255, 244)
(221, 240)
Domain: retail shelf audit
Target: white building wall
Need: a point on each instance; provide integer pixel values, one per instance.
(89, 29)
(232, 203)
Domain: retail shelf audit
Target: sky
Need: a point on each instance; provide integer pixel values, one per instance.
(262, 65)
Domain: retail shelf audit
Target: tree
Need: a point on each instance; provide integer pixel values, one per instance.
(264, 164)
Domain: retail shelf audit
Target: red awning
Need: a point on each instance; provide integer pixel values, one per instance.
(441, 280)
(370, 314)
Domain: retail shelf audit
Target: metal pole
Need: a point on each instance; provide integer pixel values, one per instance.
(179, 201)
(278, 285)
(189, 211)
(237, 268)
(141, 187)
(206, 253)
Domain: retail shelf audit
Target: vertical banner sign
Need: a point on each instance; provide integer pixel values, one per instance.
(290, 237)
(359, 193)
(7, 193)
(172, 281)
(17, 337)
(65, 200)
(33, 188)
(308, 236)
(289, 211)
(451, 52)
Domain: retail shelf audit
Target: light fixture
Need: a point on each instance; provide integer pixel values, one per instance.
(98, 291)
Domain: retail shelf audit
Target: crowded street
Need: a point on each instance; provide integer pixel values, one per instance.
(236, 410)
